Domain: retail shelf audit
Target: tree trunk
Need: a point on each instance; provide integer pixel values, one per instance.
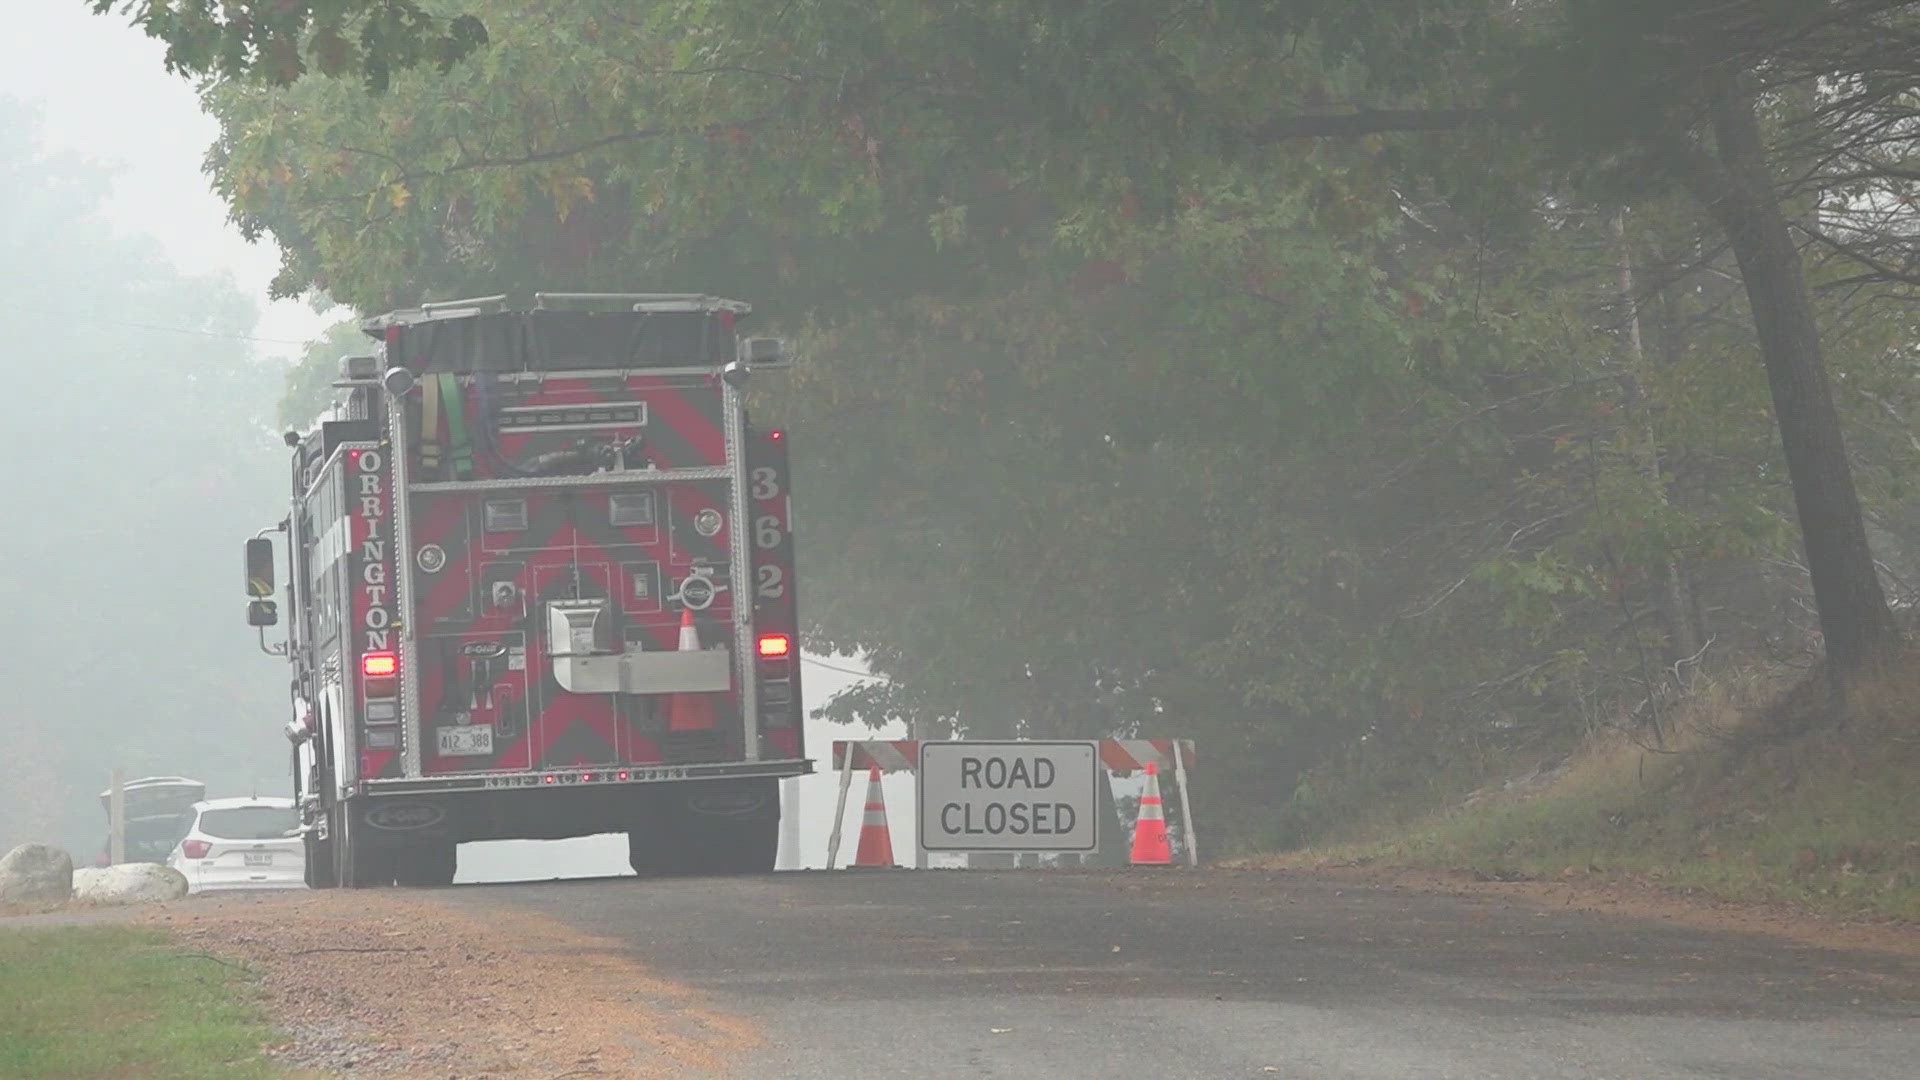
(1683, 638)
(1854, 617)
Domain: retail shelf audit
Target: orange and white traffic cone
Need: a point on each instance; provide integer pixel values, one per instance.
(876, 843)
(690, 712)
(1150, 844)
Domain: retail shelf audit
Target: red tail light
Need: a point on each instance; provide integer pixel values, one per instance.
(776, 436)
(379, 663)
(775, 645)
(195, 849)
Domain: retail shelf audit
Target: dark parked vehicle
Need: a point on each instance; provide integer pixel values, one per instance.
(159, 813)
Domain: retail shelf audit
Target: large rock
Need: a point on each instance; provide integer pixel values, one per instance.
(128, 883)
(35, 876)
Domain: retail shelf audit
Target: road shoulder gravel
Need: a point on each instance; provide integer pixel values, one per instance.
(401, 984)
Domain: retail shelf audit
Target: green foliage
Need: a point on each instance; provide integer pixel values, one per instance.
(132, 395)
(309, 388)
(276, 42)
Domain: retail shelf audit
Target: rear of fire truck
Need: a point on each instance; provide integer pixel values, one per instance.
(541, 586)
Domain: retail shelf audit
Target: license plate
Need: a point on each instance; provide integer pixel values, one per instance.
(465, 740)
(257, 858)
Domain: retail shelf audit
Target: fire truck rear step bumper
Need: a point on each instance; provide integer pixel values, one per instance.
(589, 776)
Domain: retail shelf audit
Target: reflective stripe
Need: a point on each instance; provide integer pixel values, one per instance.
(430, 426)
(457, 445)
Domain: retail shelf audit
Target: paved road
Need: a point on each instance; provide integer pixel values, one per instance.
(1216, 974)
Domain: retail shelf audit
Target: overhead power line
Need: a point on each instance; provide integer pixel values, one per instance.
(843, 670)
(199, 333)
(94, 316)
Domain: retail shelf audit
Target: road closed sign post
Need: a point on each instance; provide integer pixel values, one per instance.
(1008, 796)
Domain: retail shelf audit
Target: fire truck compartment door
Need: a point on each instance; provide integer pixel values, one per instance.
(578, 628)
(708, 671)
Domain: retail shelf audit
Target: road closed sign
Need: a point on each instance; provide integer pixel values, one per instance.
(1008, 796)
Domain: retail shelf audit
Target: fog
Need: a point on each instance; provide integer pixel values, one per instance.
(142, 366)
(139, 462)
(144, 372)
(103, 97)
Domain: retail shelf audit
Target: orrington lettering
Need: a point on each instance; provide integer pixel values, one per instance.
(376, 588)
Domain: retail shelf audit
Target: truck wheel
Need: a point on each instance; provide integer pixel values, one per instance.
(429, 866)
(320, 868)
(750, 848)
(372, 868)
(731, 830)
(715, 827)
(357, 864)
(342, 867)
(653, 851)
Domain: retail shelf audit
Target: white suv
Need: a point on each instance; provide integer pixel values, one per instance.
(242, 844)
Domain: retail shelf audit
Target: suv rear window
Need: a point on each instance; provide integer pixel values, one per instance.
(250, 822)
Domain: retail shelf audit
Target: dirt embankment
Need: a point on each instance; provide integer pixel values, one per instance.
(1761, 792)
(1787, 922)
(402, 984)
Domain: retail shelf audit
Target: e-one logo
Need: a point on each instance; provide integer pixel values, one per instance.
(406, 816)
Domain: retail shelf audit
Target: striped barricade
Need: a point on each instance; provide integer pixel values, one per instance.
(1122, 757)
(887, 755)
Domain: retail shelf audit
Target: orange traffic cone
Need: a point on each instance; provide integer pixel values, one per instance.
(690, 712)
(876, 843)
(1150, 844)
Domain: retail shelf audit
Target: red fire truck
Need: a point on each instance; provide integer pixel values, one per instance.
(540, 586)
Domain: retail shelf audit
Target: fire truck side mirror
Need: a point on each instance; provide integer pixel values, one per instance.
(262, 613)
(260, 568)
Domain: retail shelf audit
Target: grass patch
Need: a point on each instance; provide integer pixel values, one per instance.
(110, 1002)
(1757, 793)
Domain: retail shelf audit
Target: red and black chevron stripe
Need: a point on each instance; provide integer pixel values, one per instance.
(569, 548)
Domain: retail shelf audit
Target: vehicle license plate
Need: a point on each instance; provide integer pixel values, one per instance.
(465, 740)
(258, 858)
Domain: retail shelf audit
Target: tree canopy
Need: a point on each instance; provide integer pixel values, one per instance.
(1343, 383)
